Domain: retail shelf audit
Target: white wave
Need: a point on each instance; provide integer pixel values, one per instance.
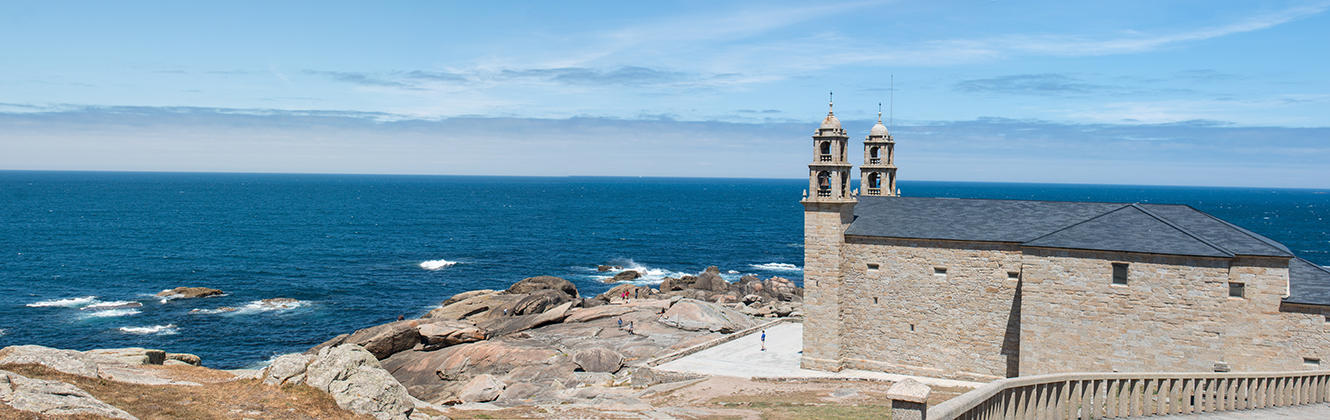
(776, 267)
(437, 264)
(2, 332)
(221, 310)
(67, 302)
(268, 305)
(649, 275)
(167, 329)
(732, 272)
(119, 304)
(112, 313)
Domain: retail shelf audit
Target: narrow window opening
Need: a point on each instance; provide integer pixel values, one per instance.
(939, 271)
(1013, 275)
(1311, 361)
(872, 267)
(1237, 290)
(874, 300)
(911, 327)
(1120, 273)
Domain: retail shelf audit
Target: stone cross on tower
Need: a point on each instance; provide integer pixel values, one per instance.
(877, 176)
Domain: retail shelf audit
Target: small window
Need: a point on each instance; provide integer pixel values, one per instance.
(1013, 275)
(1311, 361)
(1237, 290)
(939, 271)
(874, 300)
(911, 327)
(1120, 274)
(872, 267)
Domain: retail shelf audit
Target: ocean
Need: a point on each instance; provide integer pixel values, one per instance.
(81, 249)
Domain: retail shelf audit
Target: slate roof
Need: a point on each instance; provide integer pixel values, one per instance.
(1308, 283)
(1144, 228)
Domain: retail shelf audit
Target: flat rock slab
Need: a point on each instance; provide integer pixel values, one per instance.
(53, 398)
(72, 362)
(598, 359)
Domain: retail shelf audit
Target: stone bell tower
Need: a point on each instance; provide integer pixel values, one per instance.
(828, 211)
(877, 176)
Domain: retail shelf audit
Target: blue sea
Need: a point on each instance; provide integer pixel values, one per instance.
(360, 250)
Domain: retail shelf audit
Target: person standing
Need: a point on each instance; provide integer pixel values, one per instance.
(764, 340)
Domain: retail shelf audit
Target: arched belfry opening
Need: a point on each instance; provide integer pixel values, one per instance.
(824, 184)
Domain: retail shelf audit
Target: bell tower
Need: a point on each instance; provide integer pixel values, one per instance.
(828, 210)
(877, 176)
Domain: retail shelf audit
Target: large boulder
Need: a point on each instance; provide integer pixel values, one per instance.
(382, 340)
(467, 295)
(53, 398)
(483, 388)
(507, 325)
(780, 288)
(465, 361)
(189, 293)
(444, 333)
(286, 369)
(540, 301)
(68, 361)
(598, 359)
(356, 381)
(475, 308)
(626, 275)
(711, 280)
(130, 356)
(696, 315)
(532, 284)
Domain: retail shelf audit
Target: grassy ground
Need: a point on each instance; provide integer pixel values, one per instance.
(216, 399)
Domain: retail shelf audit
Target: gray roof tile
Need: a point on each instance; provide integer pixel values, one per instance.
(1130, 228)
(1308, 283)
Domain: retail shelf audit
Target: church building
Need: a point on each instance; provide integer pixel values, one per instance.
(984, 289)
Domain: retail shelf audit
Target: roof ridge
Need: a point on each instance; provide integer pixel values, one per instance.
(1183, 230)
(1267, 241)
(1077, 223)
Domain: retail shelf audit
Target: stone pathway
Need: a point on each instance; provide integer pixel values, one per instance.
(744, 358)
(1306, 412)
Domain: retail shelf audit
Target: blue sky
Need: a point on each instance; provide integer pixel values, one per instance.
(1121, 92)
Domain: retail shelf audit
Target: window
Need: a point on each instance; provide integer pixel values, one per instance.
(1120, 274)
(874, 300)
(1013, 275)
(1311, 361)
(872, 267)
(939, 271)
(1236, 290)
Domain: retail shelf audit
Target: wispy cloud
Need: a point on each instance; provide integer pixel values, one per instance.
(1030, 84)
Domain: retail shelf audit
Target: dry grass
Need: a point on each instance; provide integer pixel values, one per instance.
(216, 399)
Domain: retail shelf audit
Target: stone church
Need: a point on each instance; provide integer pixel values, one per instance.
(983, 289)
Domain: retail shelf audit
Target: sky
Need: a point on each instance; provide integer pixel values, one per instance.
(1206, 93)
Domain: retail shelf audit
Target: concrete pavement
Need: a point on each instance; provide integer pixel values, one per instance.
(744, 358)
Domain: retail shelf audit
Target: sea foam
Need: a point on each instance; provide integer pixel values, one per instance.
(119, 304)
(776, 267)
(67, 302)
(437, 264)
(112, 313)
(167, 329)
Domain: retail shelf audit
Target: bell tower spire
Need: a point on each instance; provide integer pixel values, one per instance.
(829, 173)
(877, 176)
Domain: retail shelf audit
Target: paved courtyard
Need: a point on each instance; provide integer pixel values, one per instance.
(744, 358)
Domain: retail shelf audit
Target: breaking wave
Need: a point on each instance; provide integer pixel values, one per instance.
(167, 329)
(776, 267)
(119, 304)
(112, 313)
(67, 302)
(437, 264)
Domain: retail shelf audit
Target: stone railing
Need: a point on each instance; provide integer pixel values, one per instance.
(1121, 395)
(826, 158)
(874, 161)
(874, 191)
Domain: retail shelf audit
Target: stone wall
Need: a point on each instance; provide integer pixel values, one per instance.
(1174, 315)
(906, 318)
(824, 228)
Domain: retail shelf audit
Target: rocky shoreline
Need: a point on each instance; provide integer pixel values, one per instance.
(539, 342)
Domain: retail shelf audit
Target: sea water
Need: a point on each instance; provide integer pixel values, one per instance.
(82, 254)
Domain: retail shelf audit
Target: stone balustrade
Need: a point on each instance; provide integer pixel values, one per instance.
(1123, 395)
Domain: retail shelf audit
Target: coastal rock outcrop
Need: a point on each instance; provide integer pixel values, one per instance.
(53, 398)
(483, 388)
(598, 359)
(540, 301)
(189, 293)
(532, 284)
(625, 276)
(695, 315)
(358, 383)
(72, 362)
